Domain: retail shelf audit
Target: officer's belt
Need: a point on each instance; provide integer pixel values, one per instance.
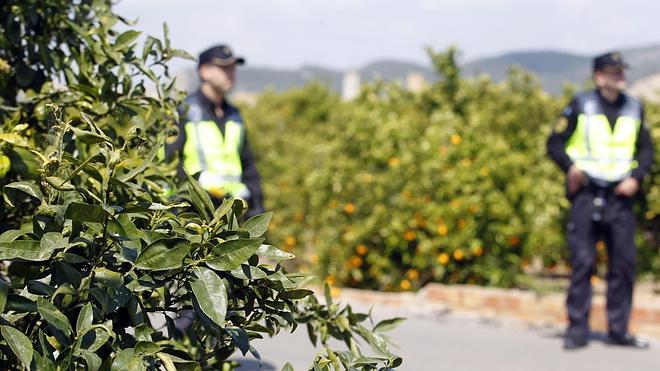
(597, 186)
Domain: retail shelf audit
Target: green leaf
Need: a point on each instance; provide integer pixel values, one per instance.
(40, 288)
(313, 335)
(136, 363)
(182, 54)
(147, 161)
(13, 234)
(161, 256)
(20, 304)
(248, 272)
(148, 72)
(24, 75)
(240, 338)
(396, 362)
(167, 361)
(375, 341)
(273, 253)
(328, 294)
(255, 354)
(43, 363)
(65, 289)
(60, 184)
(122, 359)
(53, 316)
(388, 324)
(52, 241)
(295, 294)
(80, 31)
(100, 108)
(85, 318)
(148, 46)
(97, 335)
(147, 348)
(74, 258)
(24, 249)
(17, 192)
(200, 199)
(287, 367)
(25, 163)
(143, 332)
(88, 137)
(166, 35)
(258, 224)
(126, 38)
(14, 139)
(95, 128)
(222, 210)
(84, 166)
(83, 212)
(19, 344)
(4, 291)
(210, 293)
(181, 364)
(109, 278)
(92, 360)
(231, 254)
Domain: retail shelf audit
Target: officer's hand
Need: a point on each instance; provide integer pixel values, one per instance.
(575, 179)
(628, 187)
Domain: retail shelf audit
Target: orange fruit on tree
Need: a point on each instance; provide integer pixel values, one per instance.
(412, 274)
(442, 229)
(361, 249)
(410, 235)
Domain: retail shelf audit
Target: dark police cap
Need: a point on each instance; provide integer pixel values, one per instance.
(219, 55)
(609, 61)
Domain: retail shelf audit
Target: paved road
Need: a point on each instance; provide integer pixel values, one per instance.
(450, 341)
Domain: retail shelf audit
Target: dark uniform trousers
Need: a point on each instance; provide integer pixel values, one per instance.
(616, 228)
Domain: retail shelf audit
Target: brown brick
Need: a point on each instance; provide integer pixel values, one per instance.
(491, 302)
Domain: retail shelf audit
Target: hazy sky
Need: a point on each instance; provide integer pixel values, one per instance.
(350, 33)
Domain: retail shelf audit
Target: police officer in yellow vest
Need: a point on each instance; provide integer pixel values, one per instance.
(602, 144)
(212, 137)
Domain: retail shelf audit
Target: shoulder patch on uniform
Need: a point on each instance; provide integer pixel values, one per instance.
(195, 112)
(561, 124)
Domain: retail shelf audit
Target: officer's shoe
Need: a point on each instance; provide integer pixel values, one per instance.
(628, 340)
(575, 342)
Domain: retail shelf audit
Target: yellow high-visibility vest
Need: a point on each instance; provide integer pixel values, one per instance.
(603, 152)
(217, 156)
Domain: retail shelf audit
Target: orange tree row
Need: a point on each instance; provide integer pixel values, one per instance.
(395, 189)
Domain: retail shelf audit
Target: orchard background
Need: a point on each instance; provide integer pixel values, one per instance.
(394, 189)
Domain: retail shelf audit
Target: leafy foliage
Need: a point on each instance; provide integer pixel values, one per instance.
(103, 250)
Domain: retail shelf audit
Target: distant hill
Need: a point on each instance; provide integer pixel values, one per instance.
(554, 68)
(255, 79)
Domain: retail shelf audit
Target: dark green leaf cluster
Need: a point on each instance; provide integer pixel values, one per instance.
(101, 249)
(342, 323)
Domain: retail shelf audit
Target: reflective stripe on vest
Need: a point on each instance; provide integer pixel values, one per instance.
(598, 150)
(217, 157)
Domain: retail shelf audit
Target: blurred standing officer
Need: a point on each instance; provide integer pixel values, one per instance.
(602, 144)
(212, 137)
